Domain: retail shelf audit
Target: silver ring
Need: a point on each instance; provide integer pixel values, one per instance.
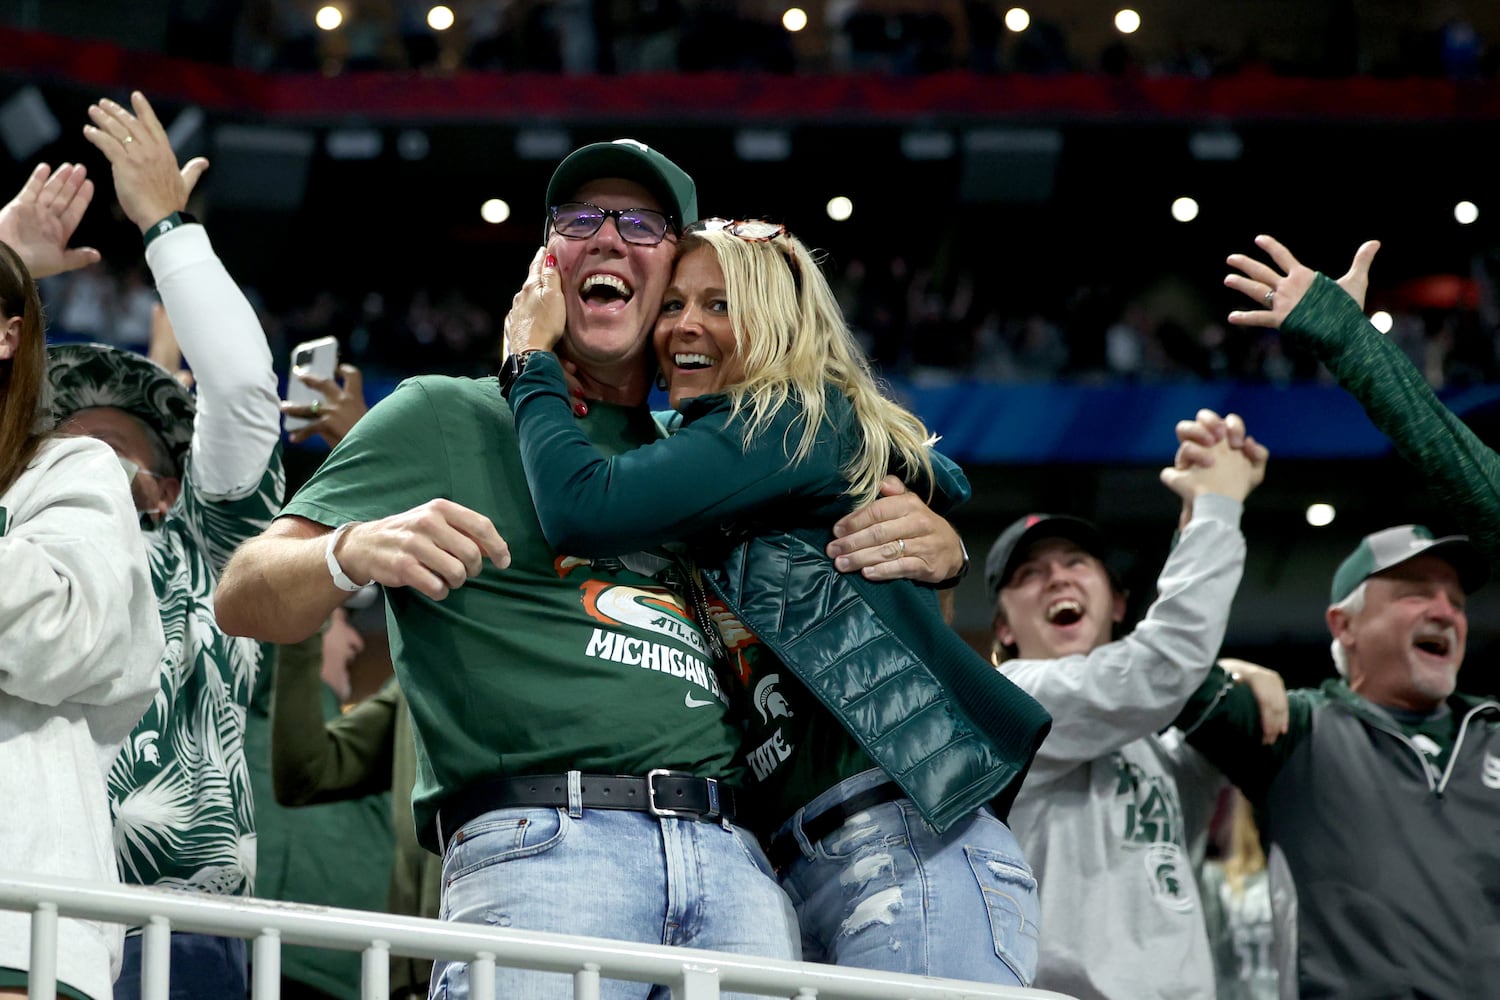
(900, 548)
(316, 407)
(1270, 297)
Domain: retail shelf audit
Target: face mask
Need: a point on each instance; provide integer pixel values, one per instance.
(149, 519)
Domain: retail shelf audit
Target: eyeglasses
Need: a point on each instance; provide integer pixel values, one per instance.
(133, 469)
(750, 230)
(578, 220)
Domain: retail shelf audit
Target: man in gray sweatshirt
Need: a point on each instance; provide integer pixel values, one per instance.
(1106, 812)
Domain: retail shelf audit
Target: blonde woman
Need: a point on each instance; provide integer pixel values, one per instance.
(884, 752)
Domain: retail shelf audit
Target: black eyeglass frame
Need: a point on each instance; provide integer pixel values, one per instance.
(669, 222)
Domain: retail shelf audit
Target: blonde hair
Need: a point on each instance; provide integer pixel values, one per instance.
(792, 340)
(1246, 856)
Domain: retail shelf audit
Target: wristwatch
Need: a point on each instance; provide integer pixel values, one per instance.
(511, 370)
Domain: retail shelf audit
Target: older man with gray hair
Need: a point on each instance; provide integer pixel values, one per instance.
(1383, 795)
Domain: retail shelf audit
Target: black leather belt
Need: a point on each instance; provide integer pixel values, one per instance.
(660, 793)
(784, 848)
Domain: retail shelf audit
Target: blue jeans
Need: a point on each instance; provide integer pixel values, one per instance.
(886, 892)
(610, 874)
(204, 967)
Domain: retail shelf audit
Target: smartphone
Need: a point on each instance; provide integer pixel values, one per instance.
(316, 357)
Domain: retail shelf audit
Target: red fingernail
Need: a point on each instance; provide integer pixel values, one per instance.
(551, 260)
(575, 392)
(582, 409)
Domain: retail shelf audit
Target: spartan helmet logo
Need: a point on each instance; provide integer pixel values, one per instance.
(1491, 774)
(769, 702)
(145, 746)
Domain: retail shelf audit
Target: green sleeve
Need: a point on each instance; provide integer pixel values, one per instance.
(952, 485)
(704, 476)
(348, 757)
(1222, 722)
(391, 461)
(1460, 470)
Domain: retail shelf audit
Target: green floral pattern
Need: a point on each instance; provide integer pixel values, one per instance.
(180, 788)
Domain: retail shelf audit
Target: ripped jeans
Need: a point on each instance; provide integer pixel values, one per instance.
(886, 892)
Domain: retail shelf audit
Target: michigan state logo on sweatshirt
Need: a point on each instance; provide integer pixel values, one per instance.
(1149, 820)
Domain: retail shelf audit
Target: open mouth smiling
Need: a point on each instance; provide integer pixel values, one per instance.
(1064, 612)
(693, 362)
(1433, 643)
(605, 289)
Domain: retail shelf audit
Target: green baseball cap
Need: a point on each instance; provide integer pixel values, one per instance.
(634, 161)
(1390, 548)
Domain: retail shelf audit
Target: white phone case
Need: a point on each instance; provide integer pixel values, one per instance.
(317, 357)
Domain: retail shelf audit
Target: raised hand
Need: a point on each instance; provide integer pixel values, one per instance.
(1214, 455)
(336, 413)
(39, 221)
(148, 182)
(1197, 437)
(1280, 291)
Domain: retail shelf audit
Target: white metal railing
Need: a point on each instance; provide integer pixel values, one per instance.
(692, 974)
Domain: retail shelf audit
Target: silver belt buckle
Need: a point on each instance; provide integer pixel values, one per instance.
(651, 806)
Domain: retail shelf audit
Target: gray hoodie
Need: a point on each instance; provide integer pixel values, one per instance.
(1111, 810)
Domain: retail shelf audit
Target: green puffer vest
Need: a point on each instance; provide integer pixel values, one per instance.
(947, 726)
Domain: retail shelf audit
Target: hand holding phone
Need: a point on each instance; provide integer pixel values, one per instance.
(318, 358)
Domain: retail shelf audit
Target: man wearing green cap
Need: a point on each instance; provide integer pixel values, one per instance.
(205, 474)
(578, 761)
(1383, 795)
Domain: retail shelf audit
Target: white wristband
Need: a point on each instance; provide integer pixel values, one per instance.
(340, 578)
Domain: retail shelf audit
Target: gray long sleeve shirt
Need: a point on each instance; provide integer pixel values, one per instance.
(1101, 816)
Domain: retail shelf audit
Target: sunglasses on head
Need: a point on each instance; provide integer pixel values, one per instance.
(578, 220)
(751, 231)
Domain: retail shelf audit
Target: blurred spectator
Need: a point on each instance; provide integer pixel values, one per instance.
(1237, 904)
(338, 854)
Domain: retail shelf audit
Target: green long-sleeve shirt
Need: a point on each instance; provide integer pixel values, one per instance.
(706, 479)
(335, 854)
(1462, 472)
(364, 751)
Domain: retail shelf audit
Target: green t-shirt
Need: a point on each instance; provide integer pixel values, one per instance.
(556, 662)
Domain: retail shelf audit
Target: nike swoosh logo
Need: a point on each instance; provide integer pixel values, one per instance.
(692, 702)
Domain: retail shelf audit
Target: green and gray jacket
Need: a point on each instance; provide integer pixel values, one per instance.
(1390, 833)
